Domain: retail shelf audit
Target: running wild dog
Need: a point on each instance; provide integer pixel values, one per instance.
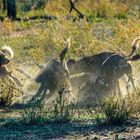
(52, 77)
(108, 67)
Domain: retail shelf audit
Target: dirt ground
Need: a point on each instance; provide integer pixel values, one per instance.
(77, 130)
(70, 131)
(11, 129)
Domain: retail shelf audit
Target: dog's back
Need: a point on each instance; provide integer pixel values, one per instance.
(47, 72)
(88, 64)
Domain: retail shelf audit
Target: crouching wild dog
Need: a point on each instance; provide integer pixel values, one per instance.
(52, 77)
(6, 53)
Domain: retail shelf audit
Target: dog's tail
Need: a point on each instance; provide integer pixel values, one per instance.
(134, 58)
(65, 50)
(8, 51)
(135, 44)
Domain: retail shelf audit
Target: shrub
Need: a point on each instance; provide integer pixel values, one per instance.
(61, 112)
(9, 94)
(38, 112)
(26, 7)
(35, 4)
(40, 3)
(120, 109)
(34, 114)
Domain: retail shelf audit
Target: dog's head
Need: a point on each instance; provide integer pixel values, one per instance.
(3, 59)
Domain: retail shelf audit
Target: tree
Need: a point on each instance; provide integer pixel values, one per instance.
(72, 7)
(11, 9)
(4, 5)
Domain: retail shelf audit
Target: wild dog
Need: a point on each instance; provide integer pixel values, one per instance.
(111, 71)
(106, 66)
(52, 77)
(6, 53)
(93, 63)
(108, 79)
(88, 65)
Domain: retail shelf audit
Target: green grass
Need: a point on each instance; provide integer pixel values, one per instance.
(38, 41)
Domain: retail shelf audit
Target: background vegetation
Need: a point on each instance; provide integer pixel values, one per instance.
(107, 26)
(38, 34)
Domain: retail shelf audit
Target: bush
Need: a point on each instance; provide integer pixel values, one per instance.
(61, 112)
(26, 7)
(38, 113)
(9, 94)
(35, 4)
(40, 3)
(120, 109)
(34, 115)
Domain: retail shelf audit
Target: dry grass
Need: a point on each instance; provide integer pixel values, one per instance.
(9, 94)
(111, 27)
(41, 41)
(118, 110)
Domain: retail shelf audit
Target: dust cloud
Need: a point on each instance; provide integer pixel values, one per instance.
(77, 82)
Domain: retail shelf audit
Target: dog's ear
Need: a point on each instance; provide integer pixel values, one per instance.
(8, 51)
(3, 59)
(2, 53)
(134, 58)
(71, 62)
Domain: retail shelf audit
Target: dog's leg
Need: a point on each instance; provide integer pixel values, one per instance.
(15, 80)
(133, 84)
(38, 93)
(41, 66)
(22, 72)
(118, 88)
(45, 96)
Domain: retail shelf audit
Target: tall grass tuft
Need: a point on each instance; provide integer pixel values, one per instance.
(58, 112)
(118, 109)
(34, 114)
(61, 110)
(9, 93)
